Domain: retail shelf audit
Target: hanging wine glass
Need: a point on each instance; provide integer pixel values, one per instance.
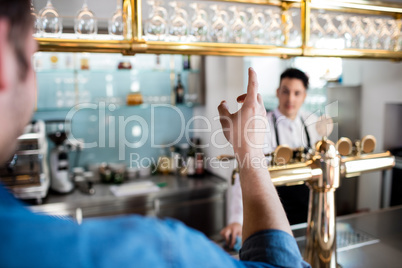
(344, 30)
(256, 27)
(85, 23)
(316, 31)
(332, 40)
(384, 36)
(36, 29)
(358, 37)
(178, 26)
(371, 36)
(219, 27)
(292, 29)
(116, 24)
(393, 28)
(238, 32)
(50, 22)
(274, 33)
(156, 25)
(199, 24)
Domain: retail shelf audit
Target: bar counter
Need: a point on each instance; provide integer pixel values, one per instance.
(370, 240)
(198, 202)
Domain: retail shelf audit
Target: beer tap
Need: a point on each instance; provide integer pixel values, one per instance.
(322, 171)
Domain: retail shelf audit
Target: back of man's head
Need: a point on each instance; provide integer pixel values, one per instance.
(18, 15)
(294, 73)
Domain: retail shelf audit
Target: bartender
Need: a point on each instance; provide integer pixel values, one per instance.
(288, 125)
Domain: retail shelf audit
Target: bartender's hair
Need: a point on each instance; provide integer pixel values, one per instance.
(18, 15)
(295, 73)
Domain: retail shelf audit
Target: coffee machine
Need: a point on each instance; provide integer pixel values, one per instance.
(26, 174)
(59, 156)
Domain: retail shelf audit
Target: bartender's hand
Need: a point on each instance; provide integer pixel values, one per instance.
(230, 233)
(246, 128)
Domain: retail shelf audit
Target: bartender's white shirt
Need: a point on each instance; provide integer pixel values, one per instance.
(291, 133)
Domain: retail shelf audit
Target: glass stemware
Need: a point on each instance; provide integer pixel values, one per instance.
(292, 29)
(371, 37)
(316, 31)
(199, 24)
(344, 30)
(256, 27)
(156, 25)
(116, 24)
(219, 27)
(85, 23)
(178, 26)
(36, 29)
(238, 32)
(358, 36)
(274, 33)
(330, 30)
(50, 22)
(395, 33)
(384, 35)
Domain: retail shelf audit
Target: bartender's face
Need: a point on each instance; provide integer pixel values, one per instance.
(17, 87)
(291, 95)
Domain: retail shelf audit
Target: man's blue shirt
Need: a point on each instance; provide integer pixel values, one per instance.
(30, 240)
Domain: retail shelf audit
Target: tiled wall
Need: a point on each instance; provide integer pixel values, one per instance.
(108, 126)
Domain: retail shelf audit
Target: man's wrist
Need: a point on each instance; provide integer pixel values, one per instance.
(254, 159)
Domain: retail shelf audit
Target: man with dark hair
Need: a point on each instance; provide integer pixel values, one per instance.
(294, 73)
(30, 240)
(287, 126)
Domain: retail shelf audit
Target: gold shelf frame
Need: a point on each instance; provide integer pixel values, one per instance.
(134, 43)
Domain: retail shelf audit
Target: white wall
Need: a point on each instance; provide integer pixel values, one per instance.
(381, 84)
(224, 81)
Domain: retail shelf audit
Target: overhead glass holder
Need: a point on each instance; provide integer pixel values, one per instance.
(134, 41)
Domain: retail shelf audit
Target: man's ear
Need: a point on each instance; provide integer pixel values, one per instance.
(277, 92)
(4, 49)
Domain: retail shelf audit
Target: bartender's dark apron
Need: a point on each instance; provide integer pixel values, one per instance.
(294, 199)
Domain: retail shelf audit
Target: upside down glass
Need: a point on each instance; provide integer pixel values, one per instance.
(316, 31)
(50, 22)
(219, 27)
(238, 33)
(116, 24)
(85, 23)
(199, 24)
(274, 34)
(36, 19)
(156, 24)
(178, 26)
(256, 27)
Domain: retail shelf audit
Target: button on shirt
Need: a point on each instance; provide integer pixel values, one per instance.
(31, 240)
(291, 133)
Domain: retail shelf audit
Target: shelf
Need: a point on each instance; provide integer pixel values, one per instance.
(69, 43)
(353, 53)
(118, 107)
(80, 45)
(111, 71)
(219, 49)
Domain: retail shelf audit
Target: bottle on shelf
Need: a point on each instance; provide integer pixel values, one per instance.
(54, 61)
(158, 63)
(84, 62)
(179, 90)
(190, 165)
(199, 159)
(186, 62)
(164, 162)
(134, 97)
